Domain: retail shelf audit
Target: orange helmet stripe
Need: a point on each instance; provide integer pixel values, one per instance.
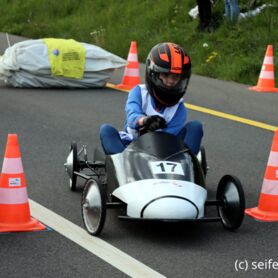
(163, 55)
(176, 59)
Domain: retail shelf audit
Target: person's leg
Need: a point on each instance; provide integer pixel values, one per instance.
(204, 8)
(110, 139)
(192, 135)
(228, 9)
(200, 4)
(207, 12)
(234, 10)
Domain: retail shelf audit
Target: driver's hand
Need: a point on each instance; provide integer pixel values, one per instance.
(154, 122)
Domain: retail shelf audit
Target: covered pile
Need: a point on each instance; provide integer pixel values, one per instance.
(57, 63)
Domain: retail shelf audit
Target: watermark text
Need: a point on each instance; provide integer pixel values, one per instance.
(245, 265)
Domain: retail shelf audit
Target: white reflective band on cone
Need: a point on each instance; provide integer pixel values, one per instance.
(12, 166)
(132, 57)
(267, 74)
(270, 187)
(131, 72)
(268, 60)
(273, 159)
(11, 196)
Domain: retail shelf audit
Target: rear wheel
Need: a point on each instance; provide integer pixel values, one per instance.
(230, 196)
(93, 207)
(203, 160)
(72, 165)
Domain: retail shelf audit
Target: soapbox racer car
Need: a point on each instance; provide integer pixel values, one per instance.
(156, 178)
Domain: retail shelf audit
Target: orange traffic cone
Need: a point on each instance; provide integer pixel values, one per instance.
(14, 206)
(131, 76)
(266, 82)
(267, 209)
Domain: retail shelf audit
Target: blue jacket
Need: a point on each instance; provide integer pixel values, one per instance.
(134, 111)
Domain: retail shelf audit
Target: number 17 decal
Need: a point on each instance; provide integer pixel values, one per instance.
(166, 167)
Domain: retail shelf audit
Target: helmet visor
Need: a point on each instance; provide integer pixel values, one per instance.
(172, 82)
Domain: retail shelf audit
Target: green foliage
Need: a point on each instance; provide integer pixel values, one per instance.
(231, 52)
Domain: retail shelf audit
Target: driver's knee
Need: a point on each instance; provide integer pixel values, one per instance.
(106, 130)
(194, 135)
(195, 127)
(110, 139)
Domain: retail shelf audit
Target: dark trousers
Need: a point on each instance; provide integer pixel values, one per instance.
(204, 7)
(111, 141)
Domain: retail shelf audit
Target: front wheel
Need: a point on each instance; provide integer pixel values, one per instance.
(230, 196)
(93, 207)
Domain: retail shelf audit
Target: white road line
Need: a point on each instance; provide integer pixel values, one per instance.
(97, 246)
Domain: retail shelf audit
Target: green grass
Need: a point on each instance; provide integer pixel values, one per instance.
(234, 52)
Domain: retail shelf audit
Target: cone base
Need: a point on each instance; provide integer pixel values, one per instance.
(261, 215)
(263, 89)
(125, 87)
(32, 225)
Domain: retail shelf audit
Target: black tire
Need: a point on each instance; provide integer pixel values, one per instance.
(93, 207)
(204, 161)
(72, 165)
(202, 158)
(231, 199)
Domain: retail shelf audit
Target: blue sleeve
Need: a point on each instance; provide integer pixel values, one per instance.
(178, 121)
(133, 107)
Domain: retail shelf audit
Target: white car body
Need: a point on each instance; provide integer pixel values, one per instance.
(163, 199)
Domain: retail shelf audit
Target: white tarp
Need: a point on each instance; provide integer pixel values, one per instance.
(26, 64)
(254, 12)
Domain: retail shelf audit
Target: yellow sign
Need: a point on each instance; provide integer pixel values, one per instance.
(67, 58)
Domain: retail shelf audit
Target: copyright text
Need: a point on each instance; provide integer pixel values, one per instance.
(245, 265)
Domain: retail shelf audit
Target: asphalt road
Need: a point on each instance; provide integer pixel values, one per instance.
(46, 121)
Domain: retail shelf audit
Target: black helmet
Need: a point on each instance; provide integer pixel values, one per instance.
(167, 58)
